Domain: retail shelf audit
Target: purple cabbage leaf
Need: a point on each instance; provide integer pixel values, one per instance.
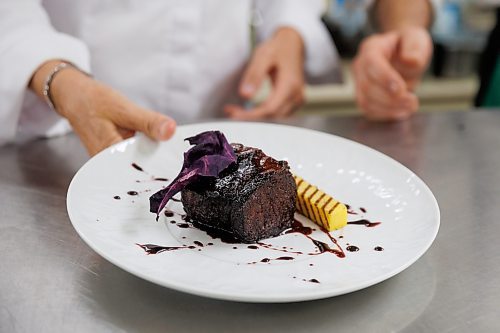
(210, 155)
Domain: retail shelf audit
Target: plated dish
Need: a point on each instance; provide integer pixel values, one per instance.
(393, 219)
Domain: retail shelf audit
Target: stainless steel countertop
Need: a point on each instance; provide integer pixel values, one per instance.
(50, 281)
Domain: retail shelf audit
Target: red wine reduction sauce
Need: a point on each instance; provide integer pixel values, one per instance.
(160, 179)
(154, 249)
(270, 247)
(266, 260)
(350, 210)
(364, 222)
(352, 248)
(300, 228)
(322, 247)
(137, 167)
(141, 169)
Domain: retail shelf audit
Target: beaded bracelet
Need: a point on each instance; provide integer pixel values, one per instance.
(48, 81)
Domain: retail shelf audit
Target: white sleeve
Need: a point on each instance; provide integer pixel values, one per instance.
(27, 40)
(322, 63)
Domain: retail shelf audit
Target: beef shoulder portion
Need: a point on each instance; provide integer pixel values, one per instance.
(253, 200)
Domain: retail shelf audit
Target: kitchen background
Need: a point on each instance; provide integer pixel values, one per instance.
(459, 33)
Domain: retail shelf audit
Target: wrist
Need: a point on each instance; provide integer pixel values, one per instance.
(390, 15)
(40, 75)
(290, 37)
(56, 84)
(69, 85)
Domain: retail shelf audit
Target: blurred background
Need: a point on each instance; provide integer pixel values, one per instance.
(459, 33)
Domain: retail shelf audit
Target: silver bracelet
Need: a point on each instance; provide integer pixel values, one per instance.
(48, 81)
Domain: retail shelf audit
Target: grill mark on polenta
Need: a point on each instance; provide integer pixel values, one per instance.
(321, 197)
(324, 218)
(314, 207)
(333, 208)
(320, 213)
(327, 202)
(308, 203)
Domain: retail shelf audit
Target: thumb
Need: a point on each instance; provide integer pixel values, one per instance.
(415, 48)
(155, 125)
(255, 73)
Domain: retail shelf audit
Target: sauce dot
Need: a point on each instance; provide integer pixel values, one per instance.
(352, 248)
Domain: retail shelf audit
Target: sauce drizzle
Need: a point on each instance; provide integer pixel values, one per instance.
(365, 222)
(137, 167)
(154, 249)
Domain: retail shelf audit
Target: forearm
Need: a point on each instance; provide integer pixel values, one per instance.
(398, 14)
(292, 39)
(37, 81)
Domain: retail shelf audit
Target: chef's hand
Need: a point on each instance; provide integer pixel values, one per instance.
(99, 115)
(387, 69)
(282, 59)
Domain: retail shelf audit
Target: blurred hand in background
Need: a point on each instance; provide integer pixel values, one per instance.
(389, 65)
(281, 58)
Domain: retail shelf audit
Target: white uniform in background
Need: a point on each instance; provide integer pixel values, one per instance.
(180, 57)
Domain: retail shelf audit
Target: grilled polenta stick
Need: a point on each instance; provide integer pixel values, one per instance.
(319, 207)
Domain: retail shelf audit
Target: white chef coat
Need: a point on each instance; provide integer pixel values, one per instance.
(180, 57)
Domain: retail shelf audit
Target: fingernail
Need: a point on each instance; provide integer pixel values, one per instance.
(247, 89)
(163, 129)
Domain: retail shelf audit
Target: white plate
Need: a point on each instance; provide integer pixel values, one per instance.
(351, 172)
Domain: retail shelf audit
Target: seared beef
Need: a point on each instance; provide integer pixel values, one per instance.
(253, 200)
